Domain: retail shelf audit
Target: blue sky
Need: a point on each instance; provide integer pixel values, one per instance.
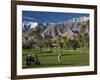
(53, 17)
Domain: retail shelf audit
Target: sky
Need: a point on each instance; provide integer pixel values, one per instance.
(52, 17)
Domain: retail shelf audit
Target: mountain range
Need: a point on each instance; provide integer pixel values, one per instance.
(66, 29)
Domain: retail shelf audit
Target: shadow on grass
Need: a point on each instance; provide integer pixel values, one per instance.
(50, 55)
(51, 65)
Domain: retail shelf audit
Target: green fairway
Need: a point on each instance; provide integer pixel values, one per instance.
(49, 59)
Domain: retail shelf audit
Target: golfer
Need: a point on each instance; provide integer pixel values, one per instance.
(59, 58)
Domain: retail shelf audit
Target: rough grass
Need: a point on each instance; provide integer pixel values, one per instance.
(49, 59)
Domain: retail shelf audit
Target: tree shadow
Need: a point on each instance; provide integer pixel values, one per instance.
(51, 65)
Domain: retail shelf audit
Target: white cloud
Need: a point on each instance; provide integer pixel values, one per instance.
(29, 18)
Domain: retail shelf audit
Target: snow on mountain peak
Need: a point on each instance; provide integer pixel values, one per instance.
(28, 25)
(33, 24)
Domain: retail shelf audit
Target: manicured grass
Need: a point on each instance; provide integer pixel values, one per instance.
(49, 59)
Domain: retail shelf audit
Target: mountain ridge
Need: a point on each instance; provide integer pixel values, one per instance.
(66, 29)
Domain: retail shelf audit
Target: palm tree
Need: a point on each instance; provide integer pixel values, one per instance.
(58, 51)
(84, 37)
(36, 35)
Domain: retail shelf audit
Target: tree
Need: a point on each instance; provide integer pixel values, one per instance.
(36, 34)
(83, 38)
(58, 51)
(74, 44)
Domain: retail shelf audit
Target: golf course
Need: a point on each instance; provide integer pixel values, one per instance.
(56, 40)
(49, 59)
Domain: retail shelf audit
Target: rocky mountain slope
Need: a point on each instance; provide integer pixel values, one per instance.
(67, 29)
